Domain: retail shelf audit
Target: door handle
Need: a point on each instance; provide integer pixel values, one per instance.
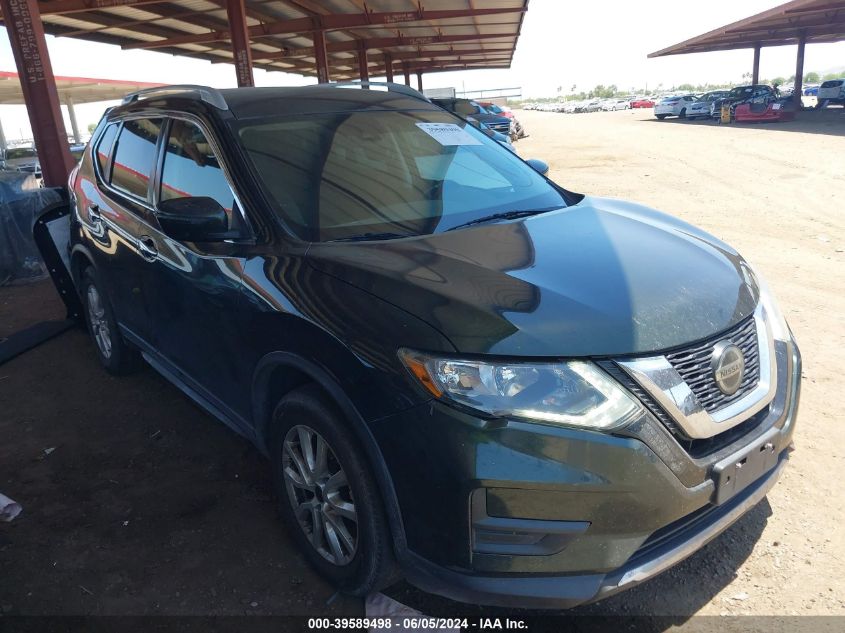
(147, 248)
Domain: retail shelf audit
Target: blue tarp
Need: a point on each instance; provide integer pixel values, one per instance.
(21, 202)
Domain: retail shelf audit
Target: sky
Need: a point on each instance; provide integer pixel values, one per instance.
(562, 44)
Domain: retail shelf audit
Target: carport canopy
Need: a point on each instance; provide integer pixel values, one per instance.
(797, 22)
(71, 90)
(327, 39)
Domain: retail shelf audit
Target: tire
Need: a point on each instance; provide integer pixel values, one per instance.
(660, 116)
(683, 114)
(115, 354)
(352, 546)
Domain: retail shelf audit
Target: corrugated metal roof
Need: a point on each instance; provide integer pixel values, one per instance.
(428, 41)
(815, 20)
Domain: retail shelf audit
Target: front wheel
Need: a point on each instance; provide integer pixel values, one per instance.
(683, 114)
(328, 496)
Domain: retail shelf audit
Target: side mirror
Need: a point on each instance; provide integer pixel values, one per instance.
(199, 219)
(539, 166)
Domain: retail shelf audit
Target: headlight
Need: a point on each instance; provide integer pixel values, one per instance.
(777, 322)
(573, 393)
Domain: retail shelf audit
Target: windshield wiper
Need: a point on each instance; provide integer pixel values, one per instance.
(505, 215)
(363, 237)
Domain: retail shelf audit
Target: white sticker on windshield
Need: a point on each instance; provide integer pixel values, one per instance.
(448, 134)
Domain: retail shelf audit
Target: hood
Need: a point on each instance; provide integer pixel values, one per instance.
(601, 278)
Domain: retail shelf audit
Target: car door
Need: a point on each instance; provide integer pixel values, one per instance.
(115, 214)
(195, 288)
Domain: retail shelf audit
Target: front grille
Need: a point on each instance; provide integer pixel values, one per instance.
(693, 365)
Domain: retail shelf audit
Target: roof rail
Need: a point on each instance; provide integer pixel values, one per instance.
(212, 96)
(388, 85)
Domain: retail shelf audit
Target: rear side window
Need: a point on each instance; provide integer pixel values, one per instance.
(135, 155)
(104, 148)
(191, 169)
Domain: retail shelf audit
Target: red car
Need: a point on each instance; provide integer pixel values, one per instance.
(771, 111)
(645, 102)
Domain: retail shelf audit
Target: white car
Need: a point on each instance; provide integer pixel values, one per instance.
(673, 106)
(703, 106)
(832, 91)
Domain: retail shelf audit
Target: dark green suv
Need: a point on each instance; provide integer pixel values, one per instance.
(461, 372)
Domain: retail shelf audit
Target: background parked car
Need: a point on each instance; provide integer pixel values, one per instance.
(517, 131)
(642, 102)
(502, 139)
(758, 93)
(831, 92)
(673, 106)
(703, 106)
(21, 159)
(594, 105)
(468, 108)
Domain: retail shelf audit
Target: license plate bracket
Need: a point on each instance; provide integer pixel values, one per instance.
(737, 473)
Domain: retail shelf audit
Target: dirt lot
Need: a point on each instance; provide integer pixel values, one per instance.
(136, 502)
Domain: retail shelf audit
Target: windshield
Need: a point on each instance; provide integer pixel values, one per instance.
(20, 152)
(741, 92)
(494, 108)
(337, 176)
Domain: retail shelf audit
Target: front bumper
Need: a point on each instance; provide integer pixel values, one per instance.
(567, 591)
(511, 513)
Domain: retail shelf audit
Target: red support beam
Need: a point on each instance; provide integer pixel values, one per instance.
(78, 6)
(388, 66)
(363, 68)
(327, 22)
(241, 51)
(321, 57)
(29, 47)
(382, 43)
(422, 53)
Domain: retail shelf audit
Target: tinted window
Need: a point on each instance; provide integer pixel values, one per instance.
(104, 147)
(135, 155)
(191, 169)
(412, 173)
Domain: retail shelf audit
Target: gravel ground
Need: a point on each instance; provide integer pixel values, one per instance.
(147, 506)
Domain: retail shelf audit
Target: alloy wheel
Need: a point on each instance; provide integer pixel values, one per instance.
(99, 323)
(320, 495)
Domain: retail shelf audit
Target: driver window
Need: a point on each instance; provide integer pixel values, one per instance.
(192, 170)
